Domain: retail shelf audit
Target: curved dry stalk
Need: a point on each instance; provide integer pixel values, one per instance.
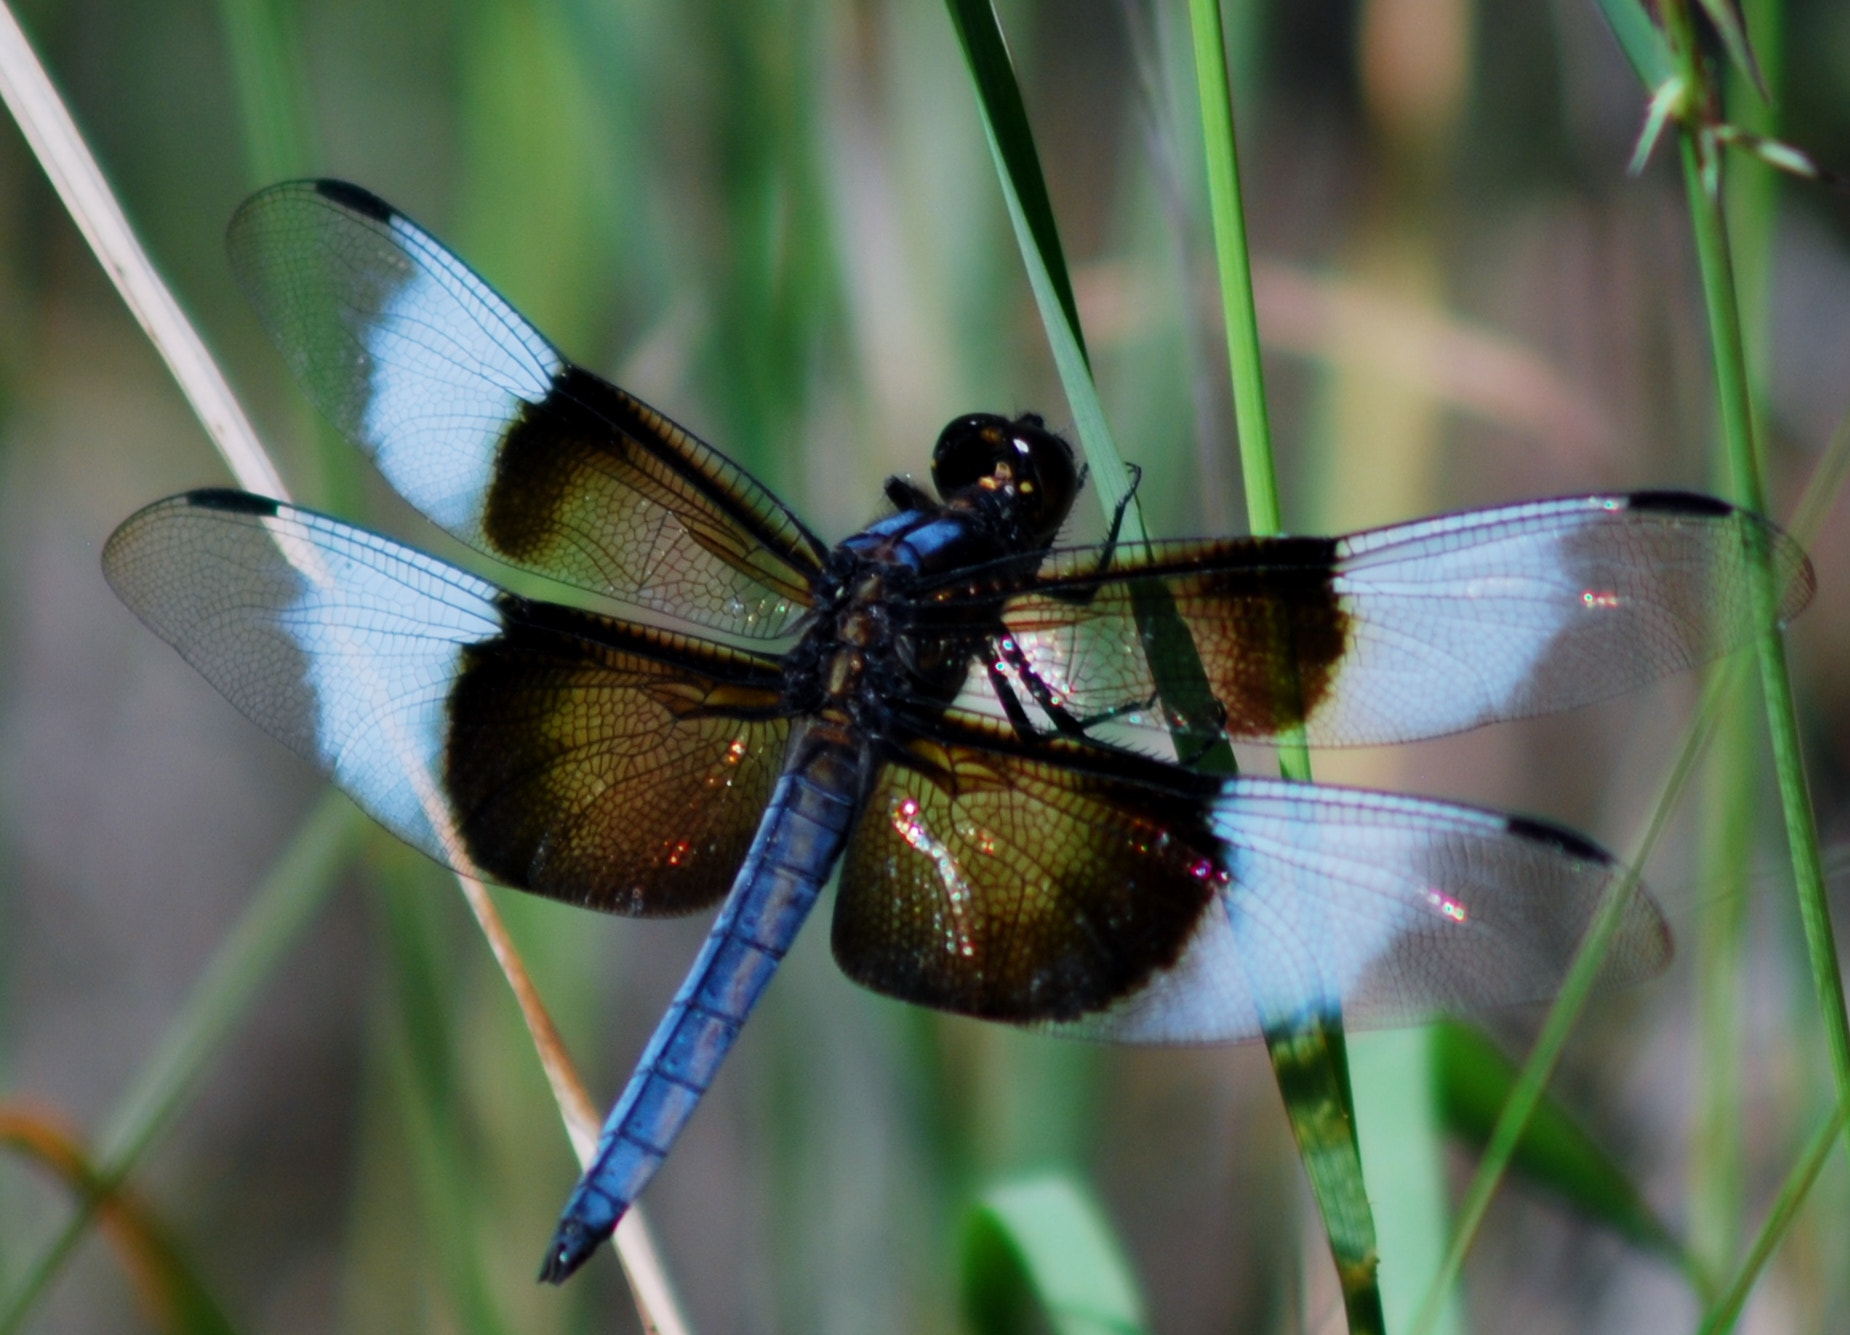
(60, 149)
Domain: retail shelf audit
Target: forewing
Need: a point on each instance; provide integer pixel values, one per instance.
(1391, 908)
(1398, 633)
(480, 423)
(576, 756)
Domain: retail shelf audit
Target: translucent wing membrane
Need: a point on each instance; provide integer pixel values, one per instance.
(1113, 897)
(1404, 632)
(573, 755)
(480, 423)
(1393, 908)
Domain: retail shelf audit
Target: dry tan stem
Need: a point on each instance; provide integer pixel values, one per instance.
(74, 173)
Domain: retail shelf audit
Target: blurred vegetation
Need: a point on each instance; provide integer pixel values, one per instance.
(780, 224)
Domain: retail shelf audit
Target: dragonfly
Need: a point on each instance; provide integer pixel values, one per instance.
(965, 723)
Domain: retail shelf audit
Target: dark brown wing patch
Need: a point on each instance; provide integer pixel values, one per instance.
(1251, 608)
(609, 765)
(595, 487)
(1022, 883)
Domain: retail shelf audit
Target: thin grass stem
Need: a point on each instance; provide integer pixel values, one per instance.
(1821, 491)
(1793, 1193)
(1565, 1012)
(1701, 163)
(1310, 1062)
(1732, 797)
(1252, 420)
(1808, 517)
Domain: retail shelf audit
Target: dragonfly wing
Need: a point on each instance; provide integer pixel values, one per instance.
(480, 423)
(577, 756)
(1388, 909)
(1405, 632)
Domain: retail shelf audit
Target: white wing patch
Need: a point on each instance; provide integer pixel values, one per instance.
(382, 637)
(447, 381)
(1393, 909)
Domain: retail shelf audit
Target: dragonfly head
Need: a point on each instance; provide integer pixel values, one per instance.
(1021, 463)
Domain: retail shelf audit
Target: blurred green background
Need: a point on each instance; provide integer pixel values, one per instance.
(779, 223)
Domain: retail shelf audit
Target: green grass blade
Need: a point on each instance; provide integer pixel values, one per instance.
(1175, 663)
(1729, 22)
(279, 912)
(1005, 120)
(422, 1067)
(1310, 1063)
(1641, 41)
(273, 116)
(1018, 167)
(1474, 1080)
(1736, 779)
(1043, 1243)
(277, 134)
(1399, 1121)
(1793, 1193)
(1251, 418)
(1821, 493)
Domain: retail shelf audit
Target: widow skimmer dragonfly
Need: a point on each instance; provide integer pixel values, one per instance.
(925, 705)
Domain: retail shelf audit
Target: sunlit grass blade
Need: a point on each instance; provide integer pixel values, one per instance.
(1043, 1244)
(1258, 469)
(174, 1299)
(1310, 1063)
(1309, 1060)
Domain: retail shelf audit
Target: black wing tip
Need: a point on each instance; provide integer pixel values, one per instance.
(232, 501)
(572, 1245)
(1678, 503)
(1559, 838)
(1788, 557)
(355, 197)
